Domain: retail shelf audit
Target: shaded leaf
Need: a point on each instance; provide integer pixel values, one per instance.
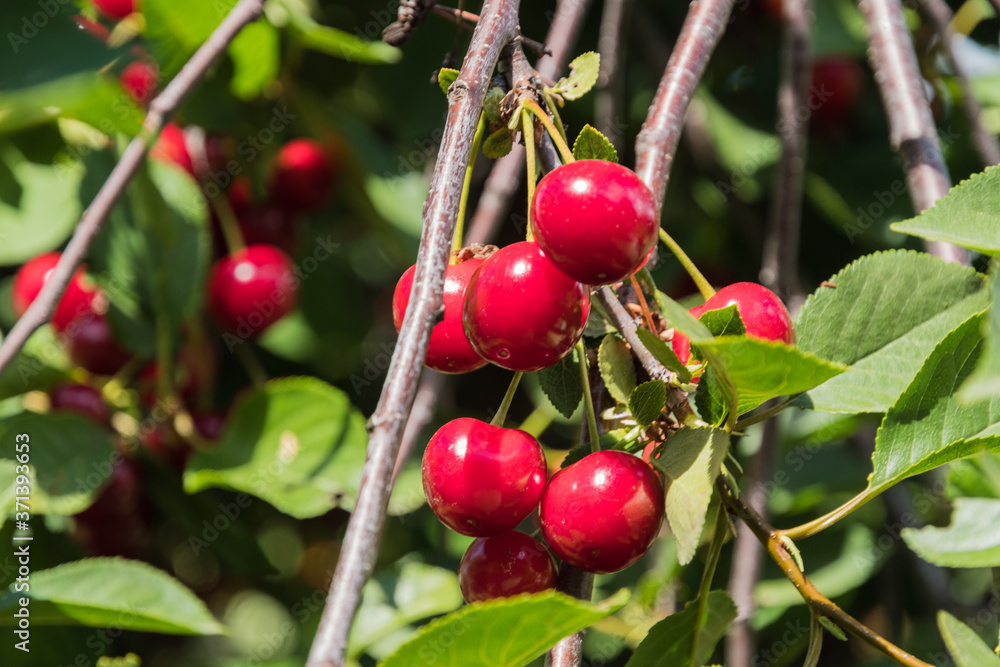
(968, 216)
(664, 354)
(646, 402)
(562, 384)
(985, 380)
(40, 364)
(964, 644)
(343, 45)
(583, 73)
(592, 145)
(615, 363)
(690, 462)
(506, 632)
(668, 643)
(971, 540)
(498, 144)
(295, 442)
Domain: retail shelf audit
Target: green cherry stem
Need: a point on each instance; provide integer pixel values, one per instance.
(703, 286)
(501, 416)
(528, 136)
(815, 641)
(556, 118)
(557, 138)
(231, 233)
(588, 399)
(721, 528)
(456, 242)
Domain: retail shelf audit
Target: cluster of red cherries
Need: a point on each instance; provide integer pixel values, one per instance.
(524, 308)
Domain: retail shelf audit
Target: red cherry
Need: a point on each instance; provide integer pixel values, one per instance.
(115, 9)
(114, 524)
(763, 314)
(596, 220)
(521, 312)
(836, 87)
(681, 343)
(92, 345)
(78, 299)
(269, 225)
(252, 289)
(302, 175)
(139, 80)
(81, 399)
(482, 480)
(172, 147)
(602, 513)
(504, 565)
(449, 350)
(92, 28)
(209, 424)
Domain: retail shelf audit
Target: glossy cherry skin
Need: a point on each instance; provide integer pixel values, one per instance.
(77, 300)
(81, 399)
(449, 350)
(504, 565)
(91, 345)
(115, 9)
(252, 289)
(301, 176)
(596, 220)
(521, 312)
(602, 513)
(140, 80)
(837, 82)
(172, 147)
(482, 480)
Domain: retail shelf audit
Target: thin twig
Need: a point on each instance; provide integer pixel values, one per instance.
(818, 603)
(984, 141)
(160, 110)
(911, 124)
(657, 141)
(497, 26)
(610, 83)
(779, 270)
(569, 651)
(508, 171)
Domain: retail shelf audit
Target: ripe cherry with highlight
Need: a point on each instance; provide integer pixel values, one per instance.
(504, 565)
(252, 289)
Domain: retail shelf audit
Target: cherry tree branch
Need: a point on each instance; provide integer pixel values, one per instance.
(657, 141)
(984, 141)
(508, 171)
(610, 84)
(160, 110)
(911, 124)
(497, 26)
(569, 651)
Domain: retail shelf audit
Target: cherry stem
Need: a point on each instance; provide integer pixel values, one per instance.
(251, 364)
(501, 416)
(231, 233)
(703, 286)
(477, 139)
(459, 16)
(764, 415)
(528, 136)
(642, 304)
(815, 641)
(588, 399)
(557, 138)
(817, 525)
(556, 118)
(721, 528)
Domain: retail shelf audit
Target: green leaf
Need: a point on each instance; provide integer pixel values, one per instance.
(47, 211)
(295, 442)
(583, 73)
(70, 458)
(176, 28)
(592, 145)
(498, 144)
(985, 380)
(971, 540)
(114, 592)
(646, 401)
(762, 370)
(928, 426)
(91, 97)
(562, 384)
(833, 628)
(724, 321)
(615, 363)
(506, 632)
(968, 216)
(668, 643)
(256, 56)
(741, 148)
(343, 45)
(964, 644)
(691, 460)
(40, 364)
(885, 315)
(446, 77)
(664, 354)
